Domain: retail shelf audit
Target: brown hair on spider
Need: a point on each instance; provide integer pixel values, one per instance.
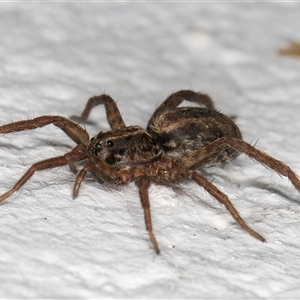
(177, 142)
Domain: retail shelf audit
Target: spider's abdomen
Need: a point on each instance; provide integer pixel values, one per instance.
(184, 130)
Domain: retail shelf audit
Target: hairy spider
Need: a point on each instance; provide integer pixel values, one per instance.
(177, 142)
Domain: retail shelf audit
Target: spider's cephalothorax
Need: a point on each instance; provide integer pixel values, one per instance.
(125, 146)
(177, 142)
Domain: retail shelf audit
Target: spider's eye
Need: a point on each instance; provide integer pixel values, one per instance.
(98, 147)
(92, 139)
(110, 143)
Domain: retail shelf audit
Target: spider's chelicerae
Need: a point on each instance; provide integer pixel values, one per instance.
(176, 142)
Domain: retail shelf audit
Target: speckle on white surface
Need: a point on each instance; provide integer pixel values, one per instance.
(54, 56)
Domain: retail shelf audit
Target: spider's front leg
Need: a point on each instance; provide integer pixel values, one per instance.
(74, 155)
(112, 112)
(74, 131)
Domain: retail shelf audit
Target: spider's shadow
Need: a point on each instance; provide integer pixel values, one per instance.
(270, 188)
(241, 184)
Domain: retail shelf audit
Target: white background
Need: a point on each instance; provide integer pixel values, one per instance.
(54, 56)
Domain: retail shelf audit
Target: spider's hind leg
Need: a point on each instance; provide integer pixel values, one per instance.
(177, 98)
(209, 153)
(266, 160)
(222, 198)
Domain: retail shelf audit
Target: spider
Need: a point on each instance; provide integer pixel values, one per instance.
(176, 142)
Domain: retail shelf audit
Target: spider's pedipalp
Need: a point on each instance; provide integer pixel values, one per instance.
(79, 178)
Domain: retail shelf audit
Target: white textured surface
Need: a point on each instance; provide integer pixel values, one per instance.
(54, 56)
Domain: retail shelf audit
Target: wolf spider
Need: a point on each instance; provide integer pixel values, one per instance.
(176, 142)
